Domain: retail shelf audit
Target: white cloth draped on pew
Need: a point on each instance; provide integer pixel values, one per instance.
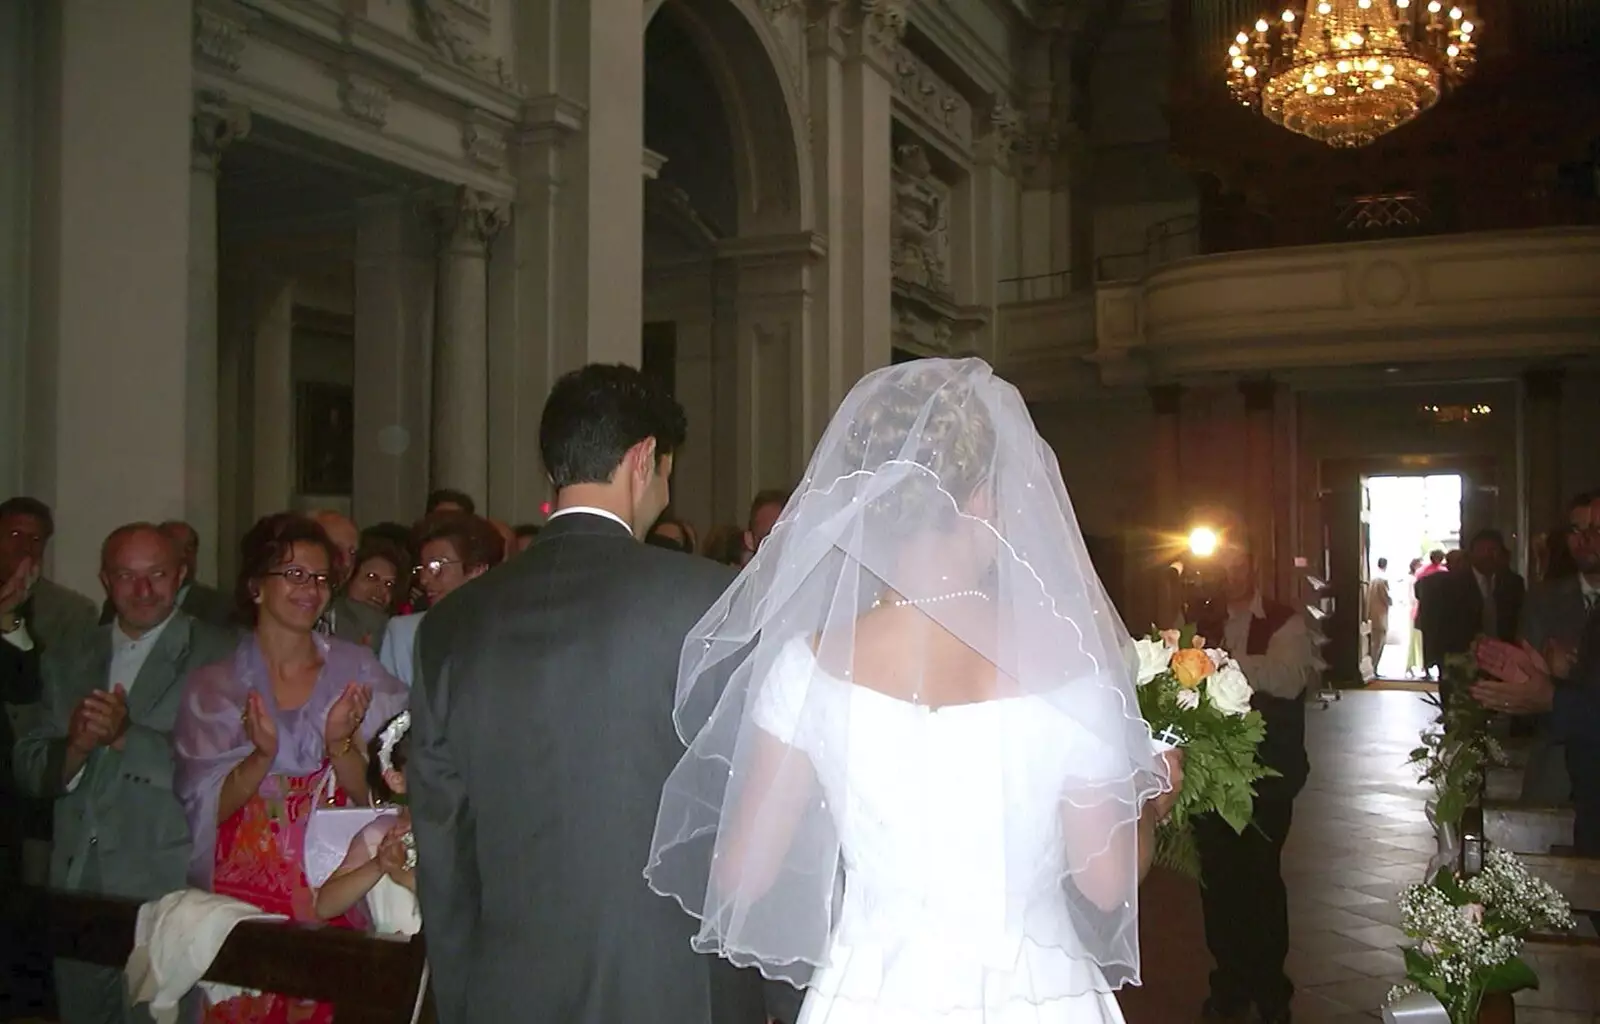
(175, 941)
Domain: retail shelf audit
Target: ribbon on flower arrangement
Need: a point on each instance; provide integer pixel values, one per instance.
(1416, 1008)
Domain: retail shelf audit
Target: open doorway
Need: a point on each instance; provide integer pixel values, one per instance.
(1404, 518)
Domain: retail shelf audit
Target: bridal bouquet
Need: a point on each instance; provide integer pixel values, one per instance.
(1198, 699)
(1470, 931)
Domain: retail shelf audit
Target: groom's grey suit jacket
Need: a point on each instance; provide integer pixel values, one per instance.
(541, 735)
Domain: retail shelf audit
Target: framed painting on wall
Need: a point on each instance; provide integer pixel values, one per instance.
(324, 438)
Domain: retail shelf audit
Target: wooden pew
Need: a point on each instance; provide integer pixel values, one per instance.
(1526, 828)
(368, 980)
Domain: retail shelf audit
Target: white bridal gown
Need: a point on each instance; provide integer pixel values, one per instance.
(924, 823)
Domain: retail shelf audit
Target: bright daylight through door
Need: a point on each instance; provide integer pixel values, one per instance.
(1406, 517)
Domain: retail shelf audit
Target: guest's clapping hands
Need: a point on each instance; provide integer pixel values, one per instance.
(1521, 683)
(99, 720)
(344, 718)
(259, 728)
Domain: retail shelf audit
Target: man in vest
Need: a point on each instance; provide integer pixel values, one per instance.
(1241, 878)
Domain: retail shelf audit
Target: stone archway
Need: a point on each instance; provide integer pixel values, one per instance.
(728, 248)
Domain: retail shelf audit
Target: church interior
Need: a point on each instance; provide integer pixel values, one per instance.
(332, 254)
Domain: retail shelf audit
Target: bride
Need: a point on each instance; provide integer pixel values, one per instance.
(917, 781)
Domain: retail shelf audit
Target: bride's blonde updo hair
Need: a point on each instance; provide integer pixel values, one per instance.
(922, 413)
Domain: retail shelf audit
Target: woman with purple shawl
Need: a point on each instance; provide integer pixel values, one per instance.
(258, 733)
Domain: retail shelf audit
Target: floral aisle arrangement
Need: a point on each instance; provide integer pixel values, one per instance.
(1197, 698)
(1470, 933)
(1454, 754)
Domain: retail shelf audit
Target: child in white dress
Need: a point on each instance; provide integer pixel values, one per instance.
(381, 864)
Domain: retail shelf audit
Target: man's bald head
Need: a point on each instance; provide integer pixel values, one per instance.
(186, 539)
(341, 529)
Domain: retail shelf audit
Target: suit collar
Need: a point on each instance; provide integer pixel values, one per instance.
(582, 522)
(162, 670)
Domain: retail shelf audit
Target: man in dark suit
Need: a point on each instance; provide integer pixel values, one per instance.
(541, 736)
(1483, 599)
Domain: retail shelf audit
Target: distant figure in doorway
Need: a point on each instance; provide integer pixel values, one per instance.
(1430, 608)
(1415, 668)
(1378, 603)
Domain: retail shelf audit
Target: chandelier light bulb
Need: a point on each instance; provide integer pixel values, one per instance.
(1466, 28)
(1241, 38)
(1453, 50)
(1402, 4)
(1288, 17)
(1261, 25)
(1238, 62)
(1355, 39)
(1324, 8)
(1434, 7)
(1363, 4)
(1455, 14)
(1250, 72)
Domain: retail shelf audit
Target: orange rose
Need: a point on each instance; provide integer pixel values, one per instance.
(1190, 666)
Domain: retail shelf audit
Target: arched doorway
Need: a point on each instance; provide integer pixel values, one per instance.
(728, 249)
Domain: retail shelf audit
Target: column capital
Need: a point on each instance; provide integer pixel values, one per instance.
(1166, 399)
(215, 124)
(1260, 394)
(469, 218)
(1543, 384)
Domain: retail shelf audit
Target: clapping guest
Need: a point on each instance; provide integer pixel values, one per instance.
(260, 733)
(102, 755)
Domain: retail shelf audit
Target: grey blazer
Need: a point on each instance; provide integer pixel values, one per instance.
(1554, 611)
(120, 830)
(541, 736)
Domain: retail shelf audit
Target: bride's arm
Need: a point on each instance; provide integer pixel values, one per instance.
(1100, 847)
(781, 784)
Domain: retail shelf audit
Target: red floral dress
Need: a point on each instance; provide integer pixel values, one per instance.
(260, 860)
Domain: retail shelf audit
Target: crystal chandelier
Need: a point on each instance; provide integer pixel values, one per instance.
(1347, 71)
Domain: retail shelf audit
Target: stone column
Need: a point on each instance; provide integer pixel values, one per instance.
(460, 449)
(566, 280)
(1541, 441)
(851, 48)
(771, 305)
(107, 430)
(1166, 466)
(272, 391)
(18, 37)
(395, 279)
(216, 124)
(1260, 484)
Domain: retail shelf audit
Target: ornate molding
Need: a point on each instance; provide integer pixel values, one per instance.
(884, 21)
(484, 145)
(919, 222)
(215, 124)
(442, 24)
(1003, 134)
(219, 38)
(920, 88)
(365, 99)
(469, 218)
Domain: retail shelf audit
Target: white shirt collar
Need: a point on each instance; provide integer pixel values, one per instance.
(590, 510)
(1585, 587)
(121, 640)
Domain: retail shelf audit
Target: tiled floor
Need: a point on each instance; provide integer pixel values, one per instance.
(1360, 835)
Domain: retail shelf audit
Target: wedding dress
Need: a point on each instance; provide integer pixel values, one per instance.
(906, 858)
(921, 934)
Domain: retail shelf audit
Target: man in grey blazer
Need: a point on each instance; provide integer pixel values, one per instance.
(541, 736)
(1553, 618)
(101, 751)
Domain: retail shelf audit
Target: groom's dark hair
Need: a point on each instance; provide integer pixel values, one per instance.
(595, 414)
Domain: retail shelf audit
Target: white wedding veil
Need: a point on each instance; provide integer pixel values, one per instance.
(984, 798)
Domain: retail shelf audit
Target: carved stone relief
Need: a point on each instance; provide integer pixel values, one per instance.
(484, 145)
(216, 124)
(219, 38)
(921, 89)
(471, 218)
(365, 99)
(445, 26)
(923, 333)
(920, 222)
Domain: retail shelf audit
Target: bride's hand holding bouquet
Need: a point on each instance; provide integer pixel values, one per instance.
(1197, 700)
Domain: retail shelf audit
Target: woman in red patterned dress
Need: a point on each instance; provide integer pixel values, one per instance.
(258, 734)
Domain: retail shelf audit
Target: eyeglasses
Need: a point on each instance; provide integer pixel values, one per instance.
(386, 582)
(29, 539)
(434, 566)
(297, 577)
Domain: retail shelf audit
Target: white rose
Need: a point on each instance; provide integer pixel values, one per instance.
(1154, 656)
(1229, 690)
(1187, 699)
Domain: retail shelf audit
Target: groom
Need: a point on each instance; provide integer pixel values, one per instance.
(542, 733)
